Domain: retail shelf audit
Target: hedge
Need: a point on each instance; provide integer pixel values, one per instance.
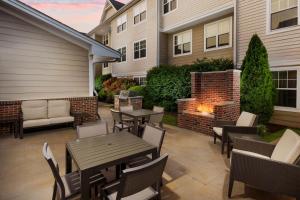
(167, 83)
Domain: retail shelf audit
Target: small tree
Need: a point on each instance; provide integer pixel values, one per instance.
(257, 90)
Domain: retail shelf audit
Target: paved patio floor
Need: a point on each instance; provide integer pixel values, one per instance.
(195, 170)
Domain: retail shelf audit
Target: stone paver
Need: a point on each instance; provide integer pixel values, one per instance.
(195, 169)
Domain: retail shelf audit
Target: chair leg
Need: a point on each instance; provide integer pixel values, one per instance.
(54, 192)
(230, 185)
(222, 148)
(215, 138)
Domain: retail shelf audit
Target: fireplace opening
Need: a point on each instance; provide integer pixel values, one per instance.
(205, 109)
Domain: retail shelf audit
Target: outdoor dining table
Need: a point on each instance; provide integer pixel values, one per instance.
(93, 154)
(136, 114)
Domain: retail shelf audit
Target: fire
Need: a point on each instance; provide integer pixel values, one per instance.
(205, 108)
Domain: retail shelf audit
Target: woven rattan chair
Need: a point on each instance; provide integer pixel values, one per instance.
(92, 129)
(139, 183)
(246, 124)
(119, 123)
(268, 167)
(152, 135)
(67, 186)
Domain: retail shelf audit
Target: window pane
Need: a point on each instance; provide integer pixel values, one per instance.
(136, 19)
(124, 57)
(284, 18)
(210, 42)
(143, 44)
(178, 49)
(173, 4)
(166, 8)
(136, 54)
(187, 48)
(275, 75)
(175, 40)
(275, 83)
(123, 26)
(223, 40)
(143, 15)
(136, 46)
(282, 83)
(292, 84)
(143, 53)
(287, 98)
(293, 74)
(283, 75)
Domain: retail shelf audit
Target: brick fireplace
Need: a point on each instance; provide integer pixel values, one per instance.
(215, 96)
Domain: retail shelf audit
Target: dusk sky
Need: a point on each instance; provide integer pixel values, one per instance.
(82, 15)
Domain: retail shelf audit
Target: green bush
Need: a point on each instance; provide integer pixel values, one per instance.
(166, 84)
(257, 89)
(137, 90)
(99, 81)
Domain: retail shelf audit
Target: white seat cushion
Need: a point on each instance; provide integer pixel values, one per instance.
(35, 123)
(246, 119)
(36, 109)
(58, 108)
(59, 120)
(145, 194)
(218, 130)
(288, 148)
(249, 153)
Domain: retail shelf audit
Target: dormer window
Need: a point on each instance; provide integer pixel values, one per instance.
(140, 13)
(121, 23)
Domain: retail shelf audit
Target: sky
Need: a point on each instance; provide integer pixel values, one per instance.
(82, 15)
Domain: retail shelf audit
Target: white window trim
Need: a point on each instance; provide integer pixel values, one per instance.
(123, 23)
(139, 77)
(164, 14)
(122, 62)
(289, 109)
(173, 45)
(106, 35)
(137, 59)
(230, 35)
(140, 22)
(269, 31)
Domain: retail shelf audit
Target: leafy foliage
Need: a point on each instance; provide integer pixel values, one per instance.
(137, 90)
(257, 89)
(99, 81)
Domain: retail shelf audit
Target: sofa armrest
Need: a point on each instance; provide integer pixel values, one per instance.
(266, 174)
(254, 146)
(222, 123)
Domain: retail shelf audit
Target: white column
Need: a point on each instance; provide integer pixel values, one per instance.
(91, 75)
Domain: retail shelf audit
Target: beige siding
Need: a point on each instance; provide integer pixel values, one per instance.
(188, 10)
(36, 64)
(290, 119)
(108, 13)
(163, 50)
(145, 30)
(283, 48)
(197, 48)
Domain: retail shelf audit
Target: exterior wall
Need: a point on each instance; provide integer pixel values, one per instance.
(190, 9)
(36, 64)
(197, 47)
(144, 30)
(78, 104)
(109, 12)
(163, 50)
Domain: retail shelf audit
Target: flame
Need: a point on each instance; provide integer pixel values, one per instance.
(205, 108)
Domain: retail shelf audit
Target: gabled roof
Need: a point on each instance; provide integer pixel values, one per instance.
(116, 4)
(96, 47)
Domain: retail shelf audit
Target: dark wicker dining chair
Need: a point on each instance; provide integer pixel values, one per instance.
(143, 182)
(67, 186)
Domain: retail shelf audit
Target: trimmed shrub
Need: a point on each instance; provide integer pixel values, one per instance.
(257, 89)
(166, 84)
(137, 90)
(99, 81)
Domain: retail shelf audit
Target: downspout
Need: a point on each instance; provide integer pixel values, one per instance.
(158, 32)
(235, 34)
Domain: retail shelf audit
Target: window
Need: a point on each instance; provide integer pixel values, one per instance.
(121, 23)
(284, 13)
(105, 65)
(218, 34)
(169, 5)
(139, 13)
(141, 80)
(140, 49)
(286, 84)
(105, 39)
(183, 43)
(123, 54)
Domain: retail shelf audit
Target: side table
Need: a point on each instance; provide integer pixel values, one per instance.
(13, 122)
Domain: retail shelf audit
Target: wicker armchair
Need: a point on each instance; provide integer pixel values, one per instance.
(263, 166)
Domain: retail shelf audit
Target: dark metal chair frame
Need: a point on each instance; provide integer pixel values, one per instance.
(267, 175)
(122, 122)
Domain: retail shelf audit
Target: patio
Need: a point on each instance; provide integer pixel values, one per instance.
(202, 174)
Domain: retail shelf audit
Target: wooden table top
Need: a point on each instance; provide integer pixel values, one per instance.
(140, 113)
(101, 151)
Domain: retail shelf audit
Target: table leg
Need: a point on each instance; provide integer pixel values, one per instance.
(85, 186)
(68, 162)
(154, 155)
(228, 147)
(135, 126)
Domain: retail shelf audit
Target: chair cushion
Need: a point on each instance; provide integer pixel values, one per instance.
(35, 123)
(36, 109)
(58, 108)
(249, 153)
(246, 119)
(218, 130)
(60, 120)
(145, 194)
(288, 148)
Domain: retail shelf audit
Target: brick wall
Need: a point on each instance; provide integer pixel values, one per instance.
(220, 90)
(78, 104)
(136, 102)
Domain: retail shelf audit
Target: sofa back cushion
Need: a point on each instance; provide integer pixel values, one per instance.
(246, 119)
(288, 148)
(35, 109)
(58, 108)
